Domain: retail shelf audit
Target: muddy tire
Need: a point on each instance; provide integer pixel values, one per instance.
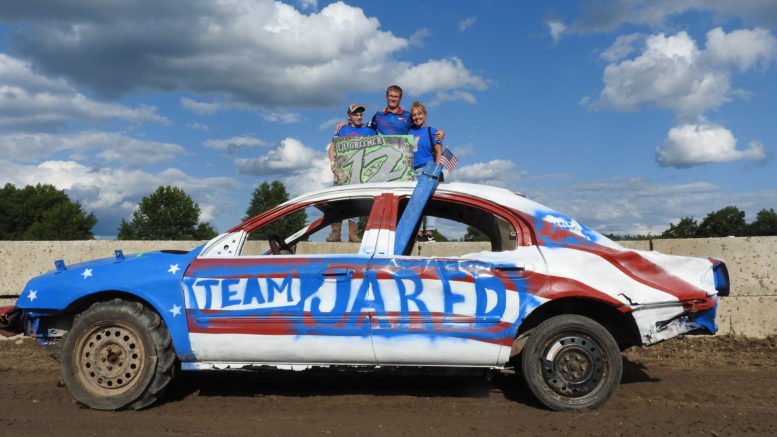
(571, 363)
(117, 355)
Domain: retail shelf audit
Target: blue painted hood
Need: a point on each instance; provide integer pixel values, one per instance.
(149, 275)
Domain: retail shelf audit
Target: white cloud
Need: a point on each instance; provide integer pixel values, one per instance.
(672, 72)
(633, 205)
(695, 144)
(308, 4)
(260, 52)
(743, 48)
(443, 74)
(556, 28)
(453, 96)
(280, 116)
(330, 123)
(108, 147)
(198, 126)
(417, 38)
(316, 176)
(30, 101)
(668, 74)
(289, 156)
(623, 46)
(498, 172)
(112, 194)
(467, 23)
(210, 108)
(600, 16)
(204, 108)
(233, 144)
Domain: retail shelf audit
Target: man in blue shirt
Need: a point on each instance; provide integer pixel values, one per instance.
(392, 120)
(355, 126)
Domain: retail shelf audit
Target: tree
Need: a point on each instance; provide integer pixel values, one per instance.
(166, 214)
(41, 212)
(723, 223)
(630, 237)
(765, 223)
(474, 234)
(267, 196)
(685, 228)
(438, 237)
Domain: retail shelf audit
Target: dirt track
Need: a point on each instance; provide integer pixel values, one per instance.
(711, 386)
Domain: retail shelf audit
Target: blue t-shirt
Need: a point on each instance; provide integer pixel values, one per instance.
(350, 131)
(424, 153)
(391, 123)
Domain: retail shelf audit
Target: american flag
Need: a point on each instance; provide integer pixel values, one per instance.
(449, 160)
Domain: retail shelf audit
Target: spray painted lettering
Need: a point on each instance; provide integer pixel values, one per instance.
(382, 293)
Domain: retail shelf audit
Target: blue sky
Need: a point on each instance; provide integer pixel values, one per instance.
(625, 114)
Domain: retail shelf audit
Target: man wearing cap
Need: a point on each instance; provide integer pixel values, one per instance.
(354, 128)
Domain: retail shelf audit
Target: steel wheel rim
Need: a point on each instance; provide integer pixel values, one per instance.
(109, 358)
(573, 365)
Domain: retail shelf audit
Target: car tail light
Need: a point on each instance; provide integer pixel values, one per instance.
(720, 272)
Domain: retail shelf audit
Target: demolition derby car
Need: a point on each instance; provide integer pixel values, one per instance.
(550, 298)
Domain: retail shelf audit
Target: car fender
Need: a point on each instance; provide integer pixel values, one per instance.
(153, 277)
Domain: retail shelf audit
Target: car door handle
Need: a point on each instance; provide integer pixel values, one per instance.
(337, 273)
(511, 270)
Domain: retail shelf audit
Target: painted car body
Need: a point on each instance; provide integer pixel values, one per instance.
(381, 305)
(367, 306)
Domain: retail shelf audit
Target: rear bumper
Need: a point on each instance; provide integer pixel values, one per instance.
(661, 322)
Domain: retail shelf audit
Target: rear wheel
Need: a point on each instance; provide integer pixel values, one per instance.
(571, 363)
(117, 355)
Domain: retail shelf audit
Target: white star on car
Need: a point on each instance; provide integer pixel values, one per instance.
(176, 310)
(87, 273)
(173, 268)
(32, 295)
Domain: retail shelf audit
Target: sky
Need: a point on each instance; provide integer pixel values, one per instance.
(624, 114)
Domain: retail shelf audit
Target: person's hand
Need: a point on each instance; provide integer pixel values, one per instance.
(440, 135)
(340, 126)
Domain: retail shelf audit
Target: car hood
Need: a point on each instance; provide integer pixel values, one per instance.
(145, 271)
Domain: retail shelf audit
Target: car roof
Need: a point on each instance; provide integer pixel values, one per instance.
(498, 195)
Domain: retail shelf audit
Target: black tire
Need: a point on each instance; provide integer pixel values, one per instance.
(571, 363)
(117, 355)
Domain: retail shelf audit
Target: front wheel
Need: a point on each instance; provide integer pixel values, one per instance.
(571, 363)
(118, 354)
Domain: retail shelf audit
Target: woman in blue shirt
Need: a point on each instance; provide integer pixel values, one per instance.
(427, 148)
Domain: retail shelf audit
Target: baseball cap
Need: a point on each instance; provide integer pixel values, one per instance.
(355, 107)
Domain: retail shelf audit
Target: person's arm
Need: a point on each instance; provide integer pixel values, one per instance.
(339, 126)
(437, 152)
(440, 135)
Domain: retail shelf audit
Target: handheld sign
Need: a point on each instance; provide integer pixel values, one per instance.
(381, 158)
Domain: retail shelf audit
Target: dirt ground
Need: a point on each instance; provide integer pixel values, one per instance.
(693, 386)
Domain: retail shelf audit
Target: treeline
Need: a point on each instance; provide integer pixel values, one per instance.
(42, 212)
(726, 222)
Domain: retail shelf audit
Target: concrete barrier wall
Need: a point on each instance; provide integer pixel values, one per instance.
(750, 311)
